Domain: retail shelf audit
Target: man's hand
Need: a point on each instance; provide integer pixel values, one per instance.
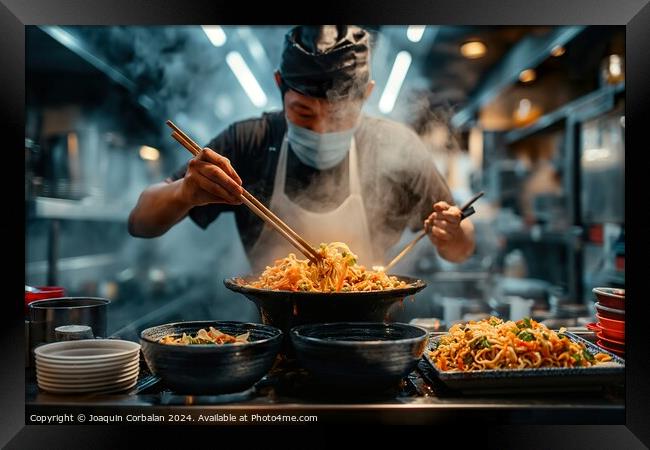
(210, 179)
(453, 239)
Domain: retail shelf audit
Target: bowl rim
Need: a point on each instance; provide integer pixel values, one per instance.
(620, 312)
(294, 332)
(416, 285)
(278, 336)
(39, 304)
(602, 291)
(600, 318)
(602, 337)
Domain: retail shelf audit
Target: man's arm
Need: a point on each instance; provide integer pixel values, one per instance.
(453, 238)
(209, 179)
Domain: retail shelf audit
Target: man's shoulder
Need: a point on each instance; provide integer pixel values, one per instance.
(385, 125)
(390, 139)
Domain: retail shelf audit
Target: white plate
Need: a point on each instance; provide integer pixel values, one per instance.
(87, 370)
(83, 371)
(87, 350)
(111, 365)
(72, 384)
(107, 390)
(86, 362)
(87, 388)
(83, 380)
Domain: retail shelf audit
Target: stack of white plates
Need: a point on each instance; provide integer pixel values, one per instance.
(89, 365)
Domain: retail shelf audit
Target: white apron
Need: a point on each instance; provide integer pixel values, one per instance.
(347, 223)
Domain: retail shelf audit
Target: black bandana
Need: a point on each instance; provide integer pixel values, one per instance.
(316, 59)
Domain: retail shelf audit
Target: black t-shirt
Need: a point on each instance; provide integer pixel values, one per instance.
(399, 180)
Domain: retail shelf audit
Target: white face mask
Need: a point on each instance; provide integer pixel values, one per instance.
(319, 150)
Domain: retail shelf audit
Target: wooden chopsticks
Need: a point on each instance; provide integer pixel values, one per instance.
(253, 204)
(466, 210)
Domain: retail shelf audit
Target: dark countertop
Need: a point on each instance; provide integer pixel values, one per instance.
(417, 400)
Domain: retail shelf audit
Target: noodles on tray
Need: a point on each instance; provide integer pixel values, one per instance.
(336, 271)
(495, 344)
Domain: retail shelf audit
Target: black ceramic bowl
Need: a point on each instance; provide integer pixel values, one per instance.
(286, 309)
(362, 355)
(209, 368)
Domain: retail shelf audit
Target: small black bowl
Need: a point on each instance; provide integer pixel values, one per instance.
(359, 355)
(209, 368)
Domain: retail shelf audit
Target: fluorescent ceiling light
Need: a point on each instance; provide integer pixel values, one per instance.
(415, 32)
(395, 80)
(246, 79)
(216, 34)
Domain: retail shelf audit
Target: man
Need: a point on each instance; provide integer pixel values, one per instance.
(330, 172)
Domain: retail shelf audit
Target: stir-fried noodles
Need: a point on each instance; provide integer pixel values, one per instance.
(495, 344)
(336, 271)
(212, 336)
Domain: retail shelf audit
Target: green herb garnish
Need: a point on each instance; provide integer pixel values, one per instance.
(525, 336)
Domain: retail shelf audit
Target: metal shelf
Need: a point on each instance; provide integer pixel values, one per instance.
(585, 107)
(56, 208)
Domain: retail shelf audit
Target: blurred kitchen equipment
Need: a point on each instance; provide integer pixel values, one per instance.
(62, 167)
(602, 169)
(431, 324)
(452, 310)
(33, 294)
(457, 309)
(528, 288)
(466, 211)
(46, 315)
(73, 332)
(549, 209)
(520, 308)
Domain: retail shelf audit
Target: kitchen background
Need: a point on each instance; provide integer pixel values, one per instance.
(534, 116)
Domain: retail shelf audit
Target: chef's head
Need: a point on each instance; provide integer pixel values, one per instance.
(324, 78)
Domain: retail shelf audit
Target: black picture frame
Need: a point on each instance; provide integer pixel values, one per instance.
(634, 14)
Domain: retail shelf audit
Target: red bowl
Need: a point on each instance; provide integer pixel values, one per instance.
(611, 341)
(612, 324)
(606, 346)
(44, 293)
(610, 297)
(593, 326)
(611, 334)
(610, 313)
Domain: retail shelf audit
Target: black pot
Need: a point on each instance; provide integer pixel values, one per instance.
(285, 310)
(46, 315)
(209, 368)
(359, 356)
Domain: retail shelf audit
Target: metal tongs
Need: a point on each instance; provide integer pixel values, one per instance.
(466, 211)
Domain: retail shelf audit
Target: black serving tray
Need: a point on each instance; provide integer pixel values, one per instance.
(529, 380)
